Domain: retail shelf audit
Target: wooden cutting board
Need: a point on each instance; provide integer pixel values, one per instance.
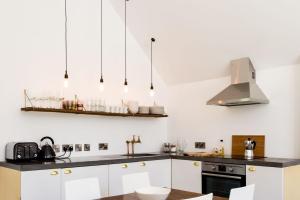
(238, 147)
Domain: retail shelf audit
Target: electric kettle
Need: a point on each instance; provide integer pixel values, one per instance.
(249, 148)
(47, 153)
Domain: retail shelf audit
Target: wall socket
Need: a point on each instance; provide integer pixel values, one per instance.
(78, 147)
(200, 145)
(87, 147)
(67, 147)
(103, 146)
(56, 148)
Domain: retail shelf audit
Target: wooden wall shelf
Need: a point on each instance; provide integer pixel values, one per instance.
(32, 109)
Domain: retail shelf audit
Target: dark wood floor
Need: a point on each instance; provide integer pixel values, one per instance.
(174, 195)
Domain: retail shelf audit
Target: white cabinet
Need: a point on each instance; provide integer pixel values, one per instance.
(159, 172)
(186, 175)
(268, 182)
(50, 184)
(116, 172)
(41, 184)
(100, 172)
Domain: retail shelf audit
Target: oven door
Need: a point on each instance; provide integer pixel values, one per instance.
(221, 184)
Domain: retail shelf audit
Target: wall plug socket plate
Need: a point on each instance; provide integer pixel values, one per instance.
(200, 145)
(78, 147)
(103, 146)
(87, 147)
(67, 147)
(56, 148)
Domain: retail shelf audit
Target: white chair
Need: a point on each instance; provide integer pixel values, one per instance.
(205, 197)
(82, 189)
(244, 193)
(132, 182)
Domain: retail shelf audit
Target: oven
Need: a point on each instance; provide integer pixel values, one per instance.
(219, 178)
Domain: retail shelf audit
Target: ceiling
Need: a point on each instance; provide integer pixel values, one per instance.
(196, 39)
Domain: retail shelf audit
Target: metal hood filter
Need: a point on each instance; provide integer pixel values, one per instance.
(243, 89)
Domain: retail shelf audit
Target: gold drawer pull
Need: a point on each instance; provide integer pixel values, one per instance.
(54, 173)
(196, 164)
(124, 166)
(142, 164)
(67, 171)
(251, 169)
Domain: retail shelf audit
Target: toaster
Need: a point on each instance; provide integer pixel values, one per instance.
(21, 151)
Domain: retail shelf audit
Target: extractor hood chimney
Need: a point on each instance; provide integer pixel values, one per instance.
(243, 89)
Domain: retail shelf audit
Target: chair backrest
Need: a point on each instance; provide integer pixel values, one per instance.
(82, 189)
(132, 182)
(244, 193)
(205, 197)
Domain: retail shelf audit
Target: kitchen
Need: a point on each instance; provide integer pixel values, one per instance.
(33, 58)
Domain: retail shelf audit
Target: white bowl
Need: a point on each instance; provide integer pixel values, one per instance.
(153, 193)
(144, 110)
(133, 107)
(157, 110)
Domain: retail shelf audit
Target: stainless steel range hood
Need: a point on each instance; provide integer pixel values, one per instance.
(243, 89)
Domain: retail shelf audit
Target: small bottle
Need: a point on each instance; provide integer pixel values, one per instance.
(222, 150)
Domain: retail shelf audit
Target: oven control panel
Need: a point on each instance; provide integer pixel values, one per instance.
(224, 168)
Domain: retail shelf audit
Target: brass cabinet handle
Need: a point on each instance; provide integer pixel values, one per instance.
(124, 166)
(196, 164)
(142, 164)
(67, 171)
(54, 173)
(251, 169)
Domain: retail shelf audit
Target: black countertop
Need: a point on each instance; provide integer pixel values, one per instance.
(266, 162)
(80, 162)
(118, 159)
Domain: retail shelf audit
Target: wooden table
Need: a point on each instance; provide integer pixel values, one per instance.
(174, 195)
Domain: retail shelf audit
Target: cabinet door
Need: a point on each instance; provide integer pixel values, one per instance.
(100, 172)
(116, 172)
(186, 175)
(268, 182)
(41, 184)
(159, 172)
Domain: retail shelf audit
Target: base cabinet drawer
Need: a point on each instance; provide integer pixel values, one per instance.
(186, 175)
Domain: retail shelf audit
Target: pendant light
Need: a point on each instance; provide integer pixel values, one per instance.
(101, 87)
(125, 82)
(152, 92)
(66, 77)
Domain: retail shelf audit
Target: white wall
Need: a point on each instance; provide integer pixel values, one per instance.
(193, 120)
(32, 57)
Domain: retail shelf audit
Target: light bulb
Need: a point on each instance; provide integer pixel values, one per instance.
(101, 87)
(125, 88)
(152, 92)
(66, 83)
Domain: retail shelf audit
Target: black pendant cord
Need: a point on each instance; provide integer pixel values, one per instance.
(152, 41)
(126, 83)
(101, 55)
(66, 40)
